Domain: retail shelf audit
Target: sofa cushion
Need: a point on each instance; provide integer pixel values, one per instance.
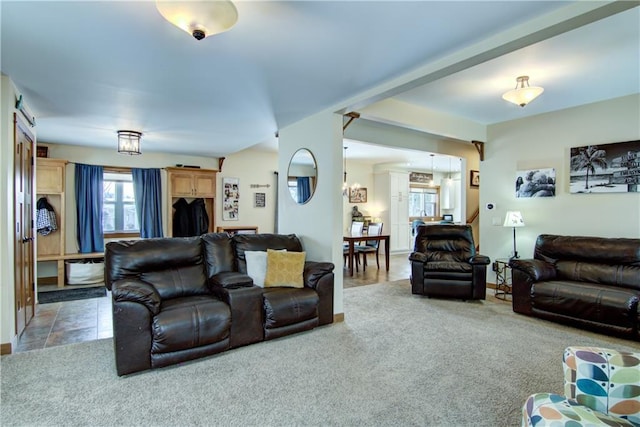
(257, 266)
(286, 306)
(627, 276)
(549, 409)
(133, 258)
(606, 250)
(178, 282)
(190, 322)
(284, 269)
(218, 253)
(589, 302)
(262, 242)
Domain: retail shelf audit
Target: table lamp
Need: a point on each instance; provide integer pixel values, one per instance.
(513, 219)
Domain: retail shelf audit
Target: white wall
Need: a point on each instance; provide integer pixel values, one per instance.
(362, 173)
(319, 221)
(544, 141)
(251, 167)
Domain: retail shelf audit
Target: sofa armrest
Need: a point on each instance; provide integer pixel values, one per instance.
(479, 259)
(230, 280)
(246, 304)
(536, 269)
(319, 276)
(418, 257)
(314, 271)
(137, 291)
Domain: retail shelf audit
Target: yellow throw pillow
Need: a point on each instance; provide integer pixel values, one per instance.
(284, 269)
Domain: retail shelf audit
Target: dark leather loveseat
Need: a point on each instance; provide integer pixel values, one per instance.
(587, 282)
(178, 299)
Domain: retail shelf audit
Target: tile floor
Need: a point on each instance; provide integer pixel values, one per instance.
(68, 322)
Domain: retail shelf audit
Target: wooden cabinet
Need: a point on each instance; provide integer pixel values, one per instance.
(392, 193)
(191, 184)
(50, 183)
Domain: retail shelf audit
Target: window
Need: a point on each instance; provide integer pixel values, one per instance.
(423, 202)
(292, 183)
(119, 204)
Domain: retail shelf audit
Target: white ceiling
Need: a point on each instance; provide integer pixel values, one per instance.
(87, 68)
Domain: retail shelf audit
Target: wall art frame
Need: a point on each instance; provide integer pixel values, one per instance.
(539, 182)
(474, 178)
(605, 168)
(259, 200)
(358, 195)
(230, 199)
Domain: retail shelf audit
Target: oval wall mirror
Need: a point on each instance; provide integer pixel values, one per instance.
(302, 176)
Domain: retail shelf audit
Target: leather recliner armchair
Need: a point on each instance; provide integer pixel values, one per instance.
(163, 310)
(445, 263)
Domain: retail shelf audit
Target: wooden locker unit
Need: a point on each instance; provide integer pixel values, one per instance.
(189, 183)
(50, 183)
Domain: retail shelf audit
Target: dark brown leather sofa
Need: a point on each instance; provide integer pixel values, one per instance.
(178, 299)
(586, 282)
(445, 263)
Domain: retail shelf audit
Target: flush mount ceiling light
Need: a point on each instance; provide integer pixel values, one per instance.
(199, 18)
(129, 142)
(524, 94)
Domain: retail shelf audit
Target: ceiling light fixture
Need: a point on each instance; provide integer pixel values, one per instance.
(129, 142)
(199, 18)
(524, 94)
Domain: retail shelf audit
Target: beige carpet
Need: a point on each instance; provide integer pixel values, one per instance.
(396, 360)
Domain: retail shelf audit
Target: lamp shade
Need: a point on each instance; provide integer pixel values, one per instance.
(524, 94)
(199, 18)
(129, 142)
(513, 219)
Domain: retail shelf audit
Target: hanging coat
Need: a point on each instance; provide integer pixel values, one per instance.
(45, 217)
(199, 217)
(182, 219)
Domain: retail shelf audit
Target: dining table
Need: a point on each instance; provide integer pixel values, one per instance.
(353, 238)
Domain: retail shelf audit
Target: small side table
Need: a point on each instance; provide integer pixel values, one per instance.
(503, 278)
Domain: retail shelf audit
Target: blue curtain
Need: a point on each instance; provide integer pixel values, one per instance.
(304, 188)
(89, 208)
(148, 193)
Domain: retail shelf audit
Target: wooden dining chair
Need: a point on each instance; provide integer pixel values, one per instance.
(370, 246)
(356, 228)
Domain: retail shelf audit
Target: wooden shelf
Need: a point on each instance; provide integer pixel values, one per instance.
(248, 229)
(71, 256)
(60, 259)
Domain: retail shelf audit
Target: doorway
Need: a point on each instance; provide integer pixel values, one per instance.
(24, 259)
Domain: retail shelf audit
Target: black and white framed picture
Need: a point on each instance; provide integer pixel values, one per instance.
(605, 168)
(259, 200)
(230, 198)
(536, 183)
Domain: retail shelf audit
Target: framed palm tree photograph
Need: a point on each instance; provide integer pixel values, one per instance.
(605, 168)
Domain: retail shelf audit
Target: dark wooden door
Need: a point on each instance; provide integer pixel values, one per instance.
(24, 224)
